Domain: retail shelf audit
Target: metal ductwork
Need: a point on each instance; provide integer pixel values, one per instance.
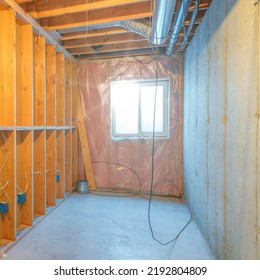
(187, 34)
(157, 33)
(162, 18)
(140, 27)
(161, 23)
(177, 25)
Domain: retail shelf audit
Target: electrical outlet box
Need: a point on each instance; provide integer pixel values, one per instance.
(21, 197)
(3, 207)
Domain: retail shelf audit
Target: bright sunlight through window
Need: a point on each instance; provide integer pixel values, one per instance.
(134, 112)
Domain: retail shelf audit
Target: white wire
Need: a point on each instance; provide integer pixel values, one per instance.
(26, 187)
(2, 188)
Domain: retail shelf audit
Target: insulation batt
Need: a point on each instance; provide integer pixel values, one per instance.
(95, 78)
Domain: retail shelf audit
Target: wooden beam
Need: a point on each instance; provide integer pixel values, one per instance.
(113, 47)
(61, 8)
(103, 40)
(93, 33)
(109, 15)
(23, 1)
(84, 146)
(131, 53)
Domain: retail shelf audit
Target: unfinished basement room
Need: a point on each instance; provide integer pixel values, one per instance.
(129, 130)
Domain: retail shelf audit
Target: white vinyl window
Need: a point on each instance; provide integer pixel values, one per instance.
(133, 106)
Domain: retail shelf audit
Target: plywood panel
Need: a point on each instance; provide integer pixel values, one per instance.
(68, 92)
(60, 89)
(50, 168)
(68, 160)
(39, 80)
(60, 162)
(50, 85)
(39, 193)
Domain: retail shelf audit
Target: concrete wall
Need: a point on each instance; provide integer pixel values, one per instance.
(222, 128)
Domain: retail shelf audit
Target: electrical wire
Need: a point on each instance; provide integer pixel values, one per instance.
(152, 166)
(127, 167)
(26, 180)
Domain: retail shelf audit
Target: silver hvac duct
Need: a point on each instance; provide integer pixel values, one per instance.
(177, 25)
(161, 23)
(187, 34)
(162, 18)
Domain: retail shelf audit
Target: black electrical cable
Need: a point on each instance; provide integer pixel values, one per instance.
(152, 163)
(127, 167)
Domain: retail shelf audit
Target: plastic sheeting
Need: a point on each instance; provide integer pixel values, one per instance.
(126, 165)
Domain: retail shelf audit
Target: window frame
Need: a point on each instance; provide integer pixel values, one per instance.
(165, 82)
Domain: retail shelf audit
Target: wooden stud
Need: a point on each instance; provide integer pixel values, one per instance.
(50, 86)
(68, 161)
(24, 81)
(60, 163)
(75, 157)
(75, 82)
(9, 67)
(50, 168)
(39, 80)
(60, 89)
(39, 182)
(68, 92)
(84, 146)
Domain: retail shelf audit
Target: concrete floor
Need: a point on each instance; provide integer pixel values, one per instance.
(90, 227)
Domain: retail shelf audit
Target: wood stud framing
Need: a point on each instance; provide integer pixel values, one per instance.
(38, 135)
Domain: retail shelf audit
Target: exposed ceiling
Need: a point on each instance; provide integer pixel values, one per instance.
(79, 25)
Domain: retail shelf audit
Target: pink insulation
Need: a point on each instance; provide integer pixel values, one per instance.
(125, 165)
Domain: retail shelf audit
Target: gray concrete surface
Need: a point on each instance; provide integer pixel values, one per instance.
(221, 128)
(90, 227)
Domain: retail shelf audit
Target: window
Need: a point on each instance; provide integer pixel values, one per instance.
(133, 106)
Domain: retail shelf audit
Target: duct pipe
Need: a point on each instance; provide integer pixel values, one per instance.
(187, 34)
(139, 27)
(162, 18)
(177, 25)
(157, 34)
